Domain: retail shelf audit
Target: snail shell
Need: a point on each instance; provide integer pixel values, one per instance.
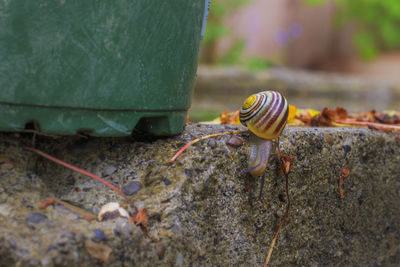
(265, 114)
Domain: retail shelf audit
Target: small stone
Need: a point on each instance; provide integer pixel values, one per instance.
(131, 188)
(212, 143)
(188, 172)
(36, 217)
(98, 251)
(109, 170)
(234, 141)
(99, 235)
(166, 181)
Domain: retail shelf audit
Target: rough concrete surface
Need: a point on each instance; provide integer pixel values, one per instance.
(203, 209)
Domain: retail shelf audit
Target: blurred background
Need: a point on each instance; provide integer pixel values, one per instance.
(319, 53)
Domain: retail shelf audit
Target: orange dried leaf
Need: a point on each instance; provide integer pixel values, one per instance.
(287, 163)
(341, 113)
(387, 118)
(325, 118)
(227, 117)
(344, 173)
(368, 116)
(305, 115)
(47, 202)
(141, 220)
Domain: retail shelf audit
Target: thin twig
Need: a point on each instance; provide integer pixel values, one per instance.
(72, 167)
(286, 172)
(199, 139)
(370, 124)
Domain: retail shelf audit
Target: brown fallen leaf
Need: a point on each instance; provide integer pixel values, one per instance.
(287, 163)
(386, 118)
(98, 251)
(344, 173)
(341, 113)
(368, 116)
(227, 117)
(47, 202)
(328, 116)
(305, 116)
(141, 220)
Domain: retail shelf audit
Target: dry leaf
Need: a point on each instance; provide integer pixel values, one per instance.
(227, 117)
(141, 220)
(98, 251)
(287, 163)
(368, 116)
(383, 117)
(325, 118)
(344, 173)
(328, 116)
(341, 113)
(305, 115)
(47, 202)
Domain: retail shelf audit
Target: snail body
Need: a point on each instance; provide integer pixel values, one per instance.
(265, 114)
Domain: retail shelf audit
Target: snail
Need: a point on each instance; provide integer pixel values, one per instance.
(265, 114)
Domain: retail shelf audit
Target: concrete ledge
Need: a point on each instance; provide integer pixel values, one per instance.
(203, 210)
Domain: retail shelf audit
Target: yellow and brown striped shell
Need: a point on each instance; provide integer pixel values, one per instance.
(265, 114)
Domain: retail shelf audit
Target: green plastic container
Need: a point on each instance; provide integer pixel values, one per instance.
(98, 67)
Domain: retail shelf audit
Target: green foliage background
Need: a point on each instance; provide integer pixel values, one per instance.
(216, 30)
(377, 21)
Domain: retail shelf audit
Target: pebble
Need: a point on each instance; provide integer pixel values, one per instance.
(212, 143)
(166, 181)
(234, 141)
(109, 170)
(131, 188)
(36, 217)
(99, 235)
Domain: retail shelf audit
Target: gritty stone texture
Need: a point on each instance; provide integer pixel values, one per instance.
(208, 214)
(109, 170)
